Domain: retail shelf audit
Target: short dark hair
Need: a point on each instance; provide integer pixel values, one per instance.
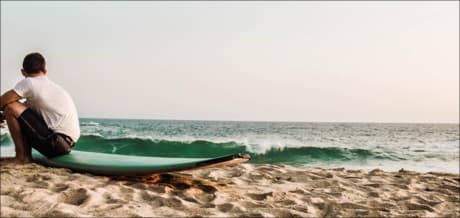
(34, 63)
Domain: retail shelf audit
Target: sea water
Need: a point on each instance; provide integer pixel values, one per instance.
(388, 146)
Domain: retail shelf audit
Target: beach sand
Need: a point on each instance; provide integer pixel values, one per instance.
(244, 190)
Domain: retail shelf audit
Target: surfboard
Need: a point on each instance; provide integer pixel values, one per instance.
(126, 165)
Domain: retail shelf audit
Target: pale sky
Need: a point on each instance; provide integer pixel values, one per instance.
(258, 61)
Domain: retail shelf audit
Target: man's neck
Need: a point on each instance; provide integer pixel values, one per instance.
(36, 74)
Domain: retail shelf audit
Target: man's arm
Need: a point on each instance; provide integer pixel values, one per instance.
(8, 97)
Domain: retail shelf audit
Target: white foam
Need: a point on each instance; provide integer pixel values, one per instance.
(90, 123)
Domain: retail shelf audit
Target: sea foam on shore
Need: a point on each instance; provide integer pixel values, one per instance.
(245, 190)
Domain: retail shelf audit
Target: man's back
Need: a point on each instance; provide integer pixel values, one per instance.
(52, 102)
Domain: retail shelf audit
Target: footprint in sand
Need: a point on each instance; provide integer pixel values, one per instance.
(57, 213)
(74, 196)
(111, 200)
(139, 185)
(415, 206)
(225, 207)
(40, 184)
(208, 205)
(157, 201)
(259, 197)
(190, 199)
(252, 215)
(373, 185)
(145, 195)
(286, 202)
(374, 194)
(59, 187)
(38, 181)
(349, 205)
(126, 190)
(204, 188)
(206, 197)
(173, 203)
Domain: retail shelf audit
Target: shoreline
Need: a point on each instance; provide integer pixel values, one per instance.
(244, 190)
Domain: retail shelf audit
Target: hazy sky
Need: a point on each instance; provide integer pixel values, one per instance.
(291, 61)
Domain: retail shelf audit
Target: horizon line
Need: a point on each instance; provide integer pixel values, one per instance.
(272, 121)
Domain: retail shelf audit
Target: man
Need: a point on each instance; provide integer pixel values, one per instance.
(48, 121)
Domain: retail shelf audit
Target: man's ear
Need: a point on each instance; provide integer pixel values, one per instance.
(23, 73)
(45, 71)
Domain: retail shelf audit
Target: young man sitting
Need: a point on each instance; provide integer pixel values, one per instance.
(47, 121)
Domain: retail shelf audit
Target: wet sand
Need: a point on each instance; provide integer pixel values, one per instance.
(243, 190)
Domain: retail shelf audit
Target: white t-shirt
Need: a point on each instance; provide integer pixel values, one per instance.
(51, 101)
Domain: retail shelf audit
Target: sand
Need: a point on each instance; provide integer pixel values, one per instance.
(243, 190)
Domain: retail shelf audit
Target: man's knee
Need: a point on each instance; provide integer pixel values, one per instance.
(14, 109)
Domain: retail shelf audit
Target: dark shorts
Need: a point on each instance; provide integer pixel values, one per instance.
(36, 133)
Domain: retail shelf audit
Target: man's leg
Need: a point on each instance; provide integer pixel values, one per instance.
(23, 149)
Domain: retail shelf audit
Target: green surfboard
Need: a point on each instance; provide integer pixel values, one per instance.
(124, 165)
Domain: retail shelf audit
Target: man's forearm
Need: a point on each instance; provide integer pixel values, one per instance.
(8, 97)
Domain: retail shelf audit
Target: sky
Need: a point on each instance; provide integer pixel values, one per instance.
(377, 61)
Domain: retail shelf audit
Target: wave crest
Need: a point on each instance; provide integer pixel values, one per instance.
(206, 148)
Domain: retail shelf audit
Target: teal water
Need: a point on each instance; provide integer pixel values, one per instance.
(421, 147)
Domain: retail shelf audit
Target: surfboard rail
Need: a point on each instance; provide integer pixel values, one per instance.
(127, 165)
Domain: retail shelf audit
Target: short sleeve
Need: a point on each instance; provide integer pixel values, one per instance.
(23, 88)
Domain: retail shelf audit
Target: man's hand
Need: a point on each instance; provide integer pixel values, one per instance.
(8, 97)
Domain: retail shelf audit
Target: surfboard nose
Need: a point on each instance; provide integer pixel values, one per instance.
(244, 156)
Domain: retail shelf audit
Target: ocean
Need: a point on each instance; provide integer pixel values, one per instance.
(388, 146)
